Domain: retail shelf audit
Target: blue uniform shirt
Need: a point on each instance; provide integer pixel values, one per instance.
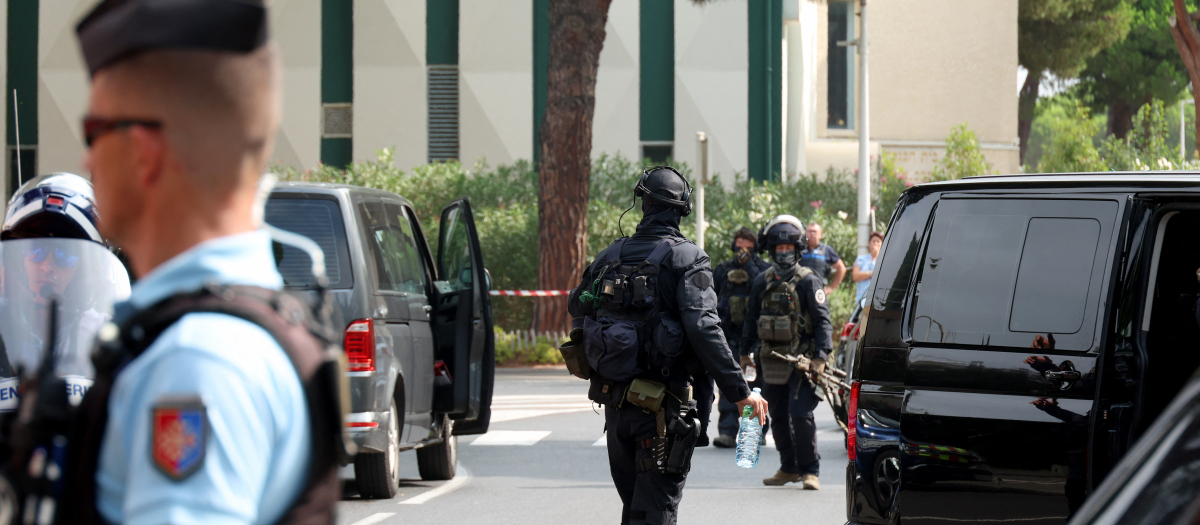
(257, 446)
(820, 260)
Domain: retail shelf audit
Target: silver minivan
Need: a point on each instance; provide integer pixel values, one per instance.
(417, 325)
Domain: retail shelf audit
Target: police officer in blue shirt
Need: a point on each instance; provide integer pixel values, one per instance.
(822, 259)
(206, 417)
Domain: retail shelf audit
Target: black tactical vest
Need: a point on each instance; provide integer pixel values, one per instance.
(630, 335)
(308, 344)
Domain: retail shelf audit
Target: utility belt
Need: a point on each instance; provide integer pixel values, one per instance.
(676, 425)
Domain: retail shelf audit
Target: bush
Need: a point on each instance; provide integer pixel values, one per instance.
(963, 157)
(1146, 146)
(523, 349)
(1071, 149)
(504, 200)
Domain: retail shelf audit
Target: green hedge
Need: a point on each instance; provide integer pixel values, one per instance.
(504, 199)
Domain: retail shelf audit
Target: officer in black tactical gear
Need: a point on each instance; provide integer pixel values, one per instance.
(732, 280)
(788, 315)
(647, 324)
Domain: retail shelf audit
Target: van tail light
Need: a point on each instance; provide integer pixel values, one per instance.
(441, 374)
(852, 422)
(360, 346)
(847, 330)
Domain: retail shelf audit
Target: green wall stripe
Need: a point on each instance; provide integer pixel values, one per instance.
(765, 85)
(441, 32)
(657, 72)
(541, 68)
(337, 71)
(337, 51)
(22, 69)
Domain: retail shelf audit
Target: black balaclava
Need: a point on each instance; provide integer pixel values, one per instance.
(784, 262)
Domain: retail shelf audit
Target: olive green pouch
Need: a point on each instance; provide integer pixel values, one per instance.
(648, 395)
(737, 309)
(738, 276)
(775, 328)
(574, 356)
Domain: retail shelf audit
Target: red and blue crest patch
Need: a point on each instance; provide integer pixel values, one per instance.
(179, 428)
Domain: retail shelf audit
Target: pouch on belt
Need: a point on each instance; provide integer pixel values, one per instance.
(648, 395)
(574, 355)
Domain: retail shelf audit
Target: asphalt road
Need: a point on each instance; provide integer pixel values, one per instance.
(541, 463)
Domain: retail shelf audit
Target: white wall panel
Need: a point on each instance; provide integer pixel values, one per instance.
(389, 80)
(62, 86)
(615, 122)
(711, 83)
(296, 29)
(495, 57)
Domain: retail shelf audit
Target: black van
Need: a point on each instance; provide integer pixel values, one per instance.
(1022, 332)
(417, 327)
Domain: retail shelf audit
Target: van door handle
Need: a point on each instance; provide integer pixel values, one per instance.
(1065, 376)
(1061, 375)
(427, 308)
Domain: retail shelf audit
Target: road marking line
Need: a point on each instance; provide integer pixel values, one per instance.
(602, 442)
(374, 518)
(500, 416)
(462, 476)
(511, 437)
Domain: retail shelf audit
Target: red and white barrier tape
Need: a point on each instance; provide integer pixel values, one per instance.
(531, 293)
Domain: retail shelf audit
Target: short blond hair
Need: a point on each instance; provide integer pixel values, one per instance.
(220, 110)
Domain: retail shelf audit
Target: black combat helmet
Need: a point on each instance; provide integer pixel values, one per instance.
(664, 187)
(58, 205)
(783, 229)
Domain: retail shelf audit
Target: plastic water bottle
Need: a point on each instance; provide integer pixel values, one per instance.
(750, 373)
(749, 439)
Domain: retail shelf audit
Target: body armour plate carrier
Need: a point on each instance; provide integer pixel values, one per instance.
(307, 342)
(738, 293)
(630, 335)
(783, 326)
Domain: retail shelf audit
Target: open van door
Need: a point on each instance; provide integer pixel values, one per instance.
(462, 324)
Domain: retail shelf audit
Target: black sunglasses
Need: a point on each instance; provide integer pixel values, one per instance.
(95, 127)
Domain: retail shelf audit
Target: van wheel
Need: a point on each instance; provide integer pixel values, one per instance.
(440, 461)
(378, 474)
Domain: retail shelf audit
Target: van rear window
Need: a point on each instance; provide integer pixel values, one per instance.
(321, 221)
(1015, 273)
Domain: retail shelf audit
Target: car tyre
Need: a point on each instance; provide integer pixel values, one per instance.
(378, 474)
(440, 461)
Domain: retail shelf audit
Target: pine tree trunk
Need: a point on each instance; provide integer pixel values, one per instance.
(1120, 118)
(1187, 40)
(576, 38)
(1026, 109)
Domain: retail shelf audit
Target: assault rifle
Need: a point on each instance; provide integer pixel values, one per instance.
(829, 381)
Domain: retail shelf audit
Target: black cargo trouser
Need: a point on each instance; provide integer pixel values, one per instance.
(794, 429)
(647, 497)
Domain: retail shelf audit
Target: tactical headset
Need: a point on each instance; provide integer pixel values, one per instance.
(683, 205)
(733, 243)
(764, 241)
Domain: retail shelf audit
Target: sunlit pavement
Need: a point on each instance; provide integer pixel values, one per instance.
(544, 462)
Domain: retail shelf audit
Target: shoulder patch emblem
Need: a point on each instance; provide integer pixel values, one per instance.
(179, 430)
(702, 280)
(819, 295)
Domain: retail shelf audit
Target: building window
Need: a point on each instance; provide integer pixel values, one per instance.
(658, 152)
(840, 109)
